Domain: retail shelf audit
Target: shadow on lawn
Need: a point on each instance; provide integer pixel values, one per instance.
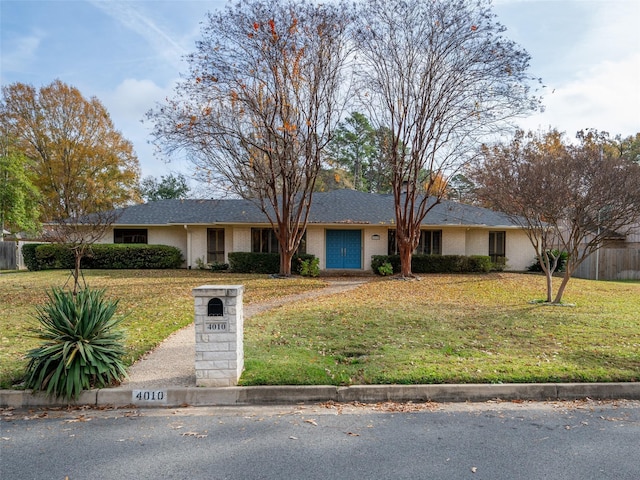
(606, 366)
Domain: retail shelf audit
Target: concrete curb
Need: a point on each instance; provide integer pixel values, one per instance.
(293, 394)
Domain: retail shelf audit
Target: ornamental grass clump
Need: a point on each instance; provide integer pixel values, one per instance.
(82, 346)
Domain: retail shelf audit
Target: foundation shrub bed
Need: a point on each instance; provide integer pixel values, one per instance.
(102, 256)
(265, 263)
(436, 263)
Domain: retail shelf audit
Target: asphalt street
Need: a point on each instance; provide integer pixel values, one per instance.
(492, 440)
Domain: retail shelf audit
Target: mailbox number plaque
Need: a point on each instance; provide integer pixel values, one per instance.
(217, 327)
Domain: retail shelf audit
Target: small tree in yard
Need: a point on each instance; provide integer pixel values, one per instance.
(79, 233)
(264, 92)
(568, 197)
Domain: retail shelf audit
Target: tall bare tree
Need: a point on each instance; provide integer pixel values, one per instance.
(257, 108)
(569, 197)
(439, 74)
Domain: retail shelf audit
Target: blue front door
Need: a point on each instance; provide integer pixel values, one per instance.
(344, 249)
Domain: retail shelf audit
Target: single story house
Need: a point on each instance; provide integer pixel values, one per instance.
(346, 227)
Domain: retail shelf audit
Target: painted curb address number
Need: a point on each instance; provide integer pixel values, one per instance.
(149, 396)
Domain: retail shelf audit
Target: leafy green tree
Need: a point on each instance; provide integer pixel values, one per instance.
(353, 147)
(19, 198)
(170, 186)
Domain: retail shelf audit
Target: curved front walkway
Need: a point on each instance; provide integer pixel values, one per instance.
(172, 363)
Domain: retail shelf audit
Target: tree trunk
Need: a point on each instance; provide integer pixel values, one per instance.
(549, 275)
(563, 285)
(76, 270)
(285, 263)
(405, 259)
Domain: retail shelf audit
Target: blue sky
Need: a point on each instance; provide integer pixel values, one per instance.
(129, 54)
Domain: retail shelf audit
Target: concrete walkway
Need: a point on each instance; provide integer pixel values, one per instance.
(172, 363)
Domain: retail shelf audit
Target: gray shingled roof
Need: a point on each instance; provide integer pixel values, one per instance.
(335, 207)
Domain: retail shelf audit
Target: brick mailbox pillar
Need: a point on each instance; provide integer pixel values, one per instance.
(219, 333)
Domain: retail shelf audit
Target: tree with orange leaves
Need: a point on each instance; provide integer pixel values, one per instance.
(81, 165)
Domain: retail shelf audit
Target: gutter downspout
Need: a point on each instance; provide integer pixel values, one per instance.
(188, 246)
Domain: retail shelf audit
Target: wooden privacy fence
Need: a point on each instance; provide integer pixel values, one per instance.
(8, 255)
(613, 264)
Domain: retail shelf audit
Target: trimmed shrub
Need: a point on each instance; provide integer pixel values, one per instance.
(142, 256)
(249, 262)
(268, 263)
(29, 256)
(378, 261)
(51, 256)
(218, 267)
(104, 256)
(385, 269)
(434, 263)
(480, 264)
(310, 267)
(562, 260)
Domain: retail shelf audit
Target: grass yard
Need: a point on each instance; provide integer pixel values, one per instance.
(450, 329)
(155, 303)
(442, 329)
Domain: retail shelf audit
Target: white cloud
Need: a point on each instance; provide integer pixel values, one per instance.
(134, 19)
(133, 97)
(127, 105)
(605, 97)
(20, 52)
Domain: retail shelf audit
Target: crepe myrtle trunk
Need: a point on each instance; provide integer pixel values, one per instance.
(407, 239)
(285, 263)
(285, 240)
(549, 263)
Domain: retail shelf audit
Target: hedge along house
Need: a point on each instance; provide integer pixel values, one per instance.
(346, 227)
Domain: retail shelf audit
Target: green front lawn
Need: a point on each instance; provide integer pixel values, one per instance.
(444, 328)
(450, 329)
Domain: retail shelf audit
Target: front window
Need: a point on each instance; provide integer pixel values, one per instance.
(264, 240)
(130, 235)
(215, 245)
(497, 241)
(430, 243)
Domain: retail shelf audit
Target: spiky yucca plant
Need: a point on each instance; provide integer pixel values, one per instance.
(82, 347)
